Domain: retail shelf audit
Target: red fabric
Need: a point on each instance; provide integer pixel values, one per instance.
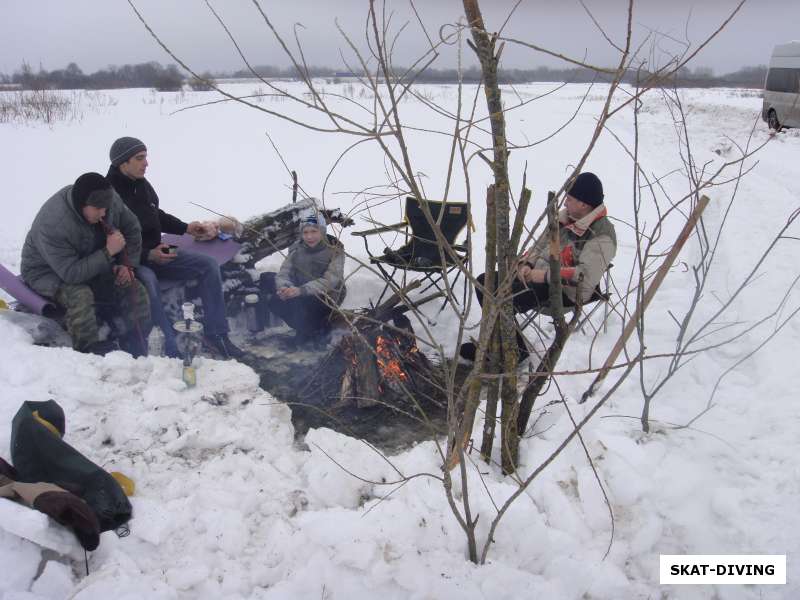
(568, 256)
(568, 272)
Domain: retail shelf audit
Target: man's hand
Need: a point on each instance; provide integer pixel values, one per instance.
(202, 231)
(159, 256)
(115, 242)
(287, 293)
(537, 276)
(123, 275)
(522, 272)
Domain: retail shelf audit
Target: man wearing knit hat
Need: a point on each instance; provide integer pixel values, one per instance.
(588, 244)
(80, 251)
(128, 165)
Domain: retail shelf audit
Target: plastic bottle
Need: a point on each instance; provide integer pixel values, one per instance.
(155, 342)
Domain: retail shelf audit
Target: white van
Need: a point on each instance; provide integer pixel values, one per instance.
(781, 106)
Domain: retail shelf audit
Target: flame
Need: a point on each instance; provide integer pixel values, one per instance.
(389, 366)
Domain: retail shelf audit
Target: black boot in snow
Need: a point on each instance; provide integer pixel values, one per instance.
(222, 346)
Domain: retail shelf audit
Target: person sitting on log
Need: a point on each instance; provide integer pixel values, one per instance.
(81, 251)
(310, 283)
(128, 165)
(588, 244)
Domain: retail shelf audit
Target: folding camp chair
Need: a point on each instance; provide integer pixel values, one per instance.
(421, 253)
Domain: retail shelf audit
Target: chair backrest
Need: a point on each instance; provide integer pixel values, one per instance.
(453, 222)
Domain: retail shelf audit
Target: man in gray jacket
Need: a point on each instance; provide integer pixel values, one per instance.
(310, 283)
(81, 251)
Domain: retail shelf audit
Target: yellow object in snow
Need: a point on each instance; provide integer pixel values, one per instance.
(50, 427)
(3, 305)
(125, 482)
(189, 376)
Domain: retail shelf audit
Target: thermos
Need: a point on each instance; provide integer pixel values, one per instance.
(251, 311)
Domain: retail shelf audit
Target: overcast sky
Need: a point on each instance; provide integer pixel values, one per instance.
(98, 33)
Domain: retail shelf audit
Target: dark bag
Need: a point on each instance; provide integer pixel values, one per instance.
(40, 455)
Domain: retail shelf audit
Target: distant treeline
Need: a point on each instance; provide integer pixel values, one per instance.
(746, 77)
(169, 78)
(150, 75)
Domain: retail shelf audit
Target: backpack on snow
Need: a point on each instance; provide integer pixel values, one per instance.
(39, 454)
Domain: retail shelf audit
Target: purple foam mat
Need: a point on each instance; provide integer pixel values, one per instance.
(17, 289)
(220, 250)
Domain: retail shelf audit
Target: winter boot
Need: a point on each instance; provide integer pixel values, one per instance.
(222, 346)
(101, 348)
(134, 343)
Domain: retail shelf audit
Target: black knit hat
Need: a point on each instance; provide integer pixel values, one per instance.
(588, 189)
(92, 189)
(125, 148)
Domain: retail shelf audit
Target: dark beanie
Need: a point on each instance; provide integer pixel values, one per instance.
(588, 189)
(92, 189)
(125, 148)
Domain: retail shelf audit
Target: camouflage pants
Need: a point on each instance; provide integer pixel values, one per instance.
(82, 301)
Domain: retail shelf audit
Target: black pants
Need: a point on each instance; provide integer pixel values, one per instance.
(308, 315)
(533, 296)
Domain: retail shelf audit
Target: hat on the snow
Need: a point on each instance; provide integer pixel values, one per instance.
(588, 189)
(124, 149)
(92, 189)
(315, 219)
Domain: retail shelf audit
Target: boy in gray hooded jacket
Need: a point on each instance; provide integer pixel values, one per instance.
(310, 283)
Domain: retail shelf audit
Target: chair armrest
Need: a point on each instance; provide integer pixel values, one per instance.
(399, 227)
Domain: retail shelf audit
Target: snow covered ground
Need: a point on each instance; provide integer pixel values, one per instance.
(229, 506)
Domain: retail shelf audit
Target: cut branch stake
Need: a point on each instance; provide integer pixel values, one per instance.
(648, 296)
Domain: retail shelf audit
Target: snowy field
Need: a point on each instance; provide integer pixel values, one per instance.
(227, 505)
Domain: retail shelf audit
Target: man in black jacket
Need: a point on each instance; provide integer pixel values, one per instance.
(128, 165)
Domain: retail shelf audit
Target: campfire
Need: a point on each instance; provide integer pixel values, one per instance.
(389, 357)
(382, 364)
(374, 383)
(378, 363)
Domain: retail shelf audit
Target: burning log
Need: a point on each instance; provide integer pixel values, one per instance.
(379, 363)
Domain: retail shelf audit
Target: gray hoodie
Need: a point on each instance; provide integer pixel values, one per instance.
(316, 271)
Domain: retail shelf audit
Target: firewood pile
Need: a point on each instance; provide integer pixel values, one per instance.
(272, 232)
(378, 363)
(262, 236)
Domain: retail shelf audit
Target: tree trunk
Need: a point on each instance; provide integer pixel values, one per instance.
(553, 353)
(462, 417)
(493, 366)
(492, 395)
(484, 46)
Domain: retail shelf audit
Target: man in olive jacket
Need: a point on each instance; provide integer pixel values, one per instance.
(588, 243)
(81, 251)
